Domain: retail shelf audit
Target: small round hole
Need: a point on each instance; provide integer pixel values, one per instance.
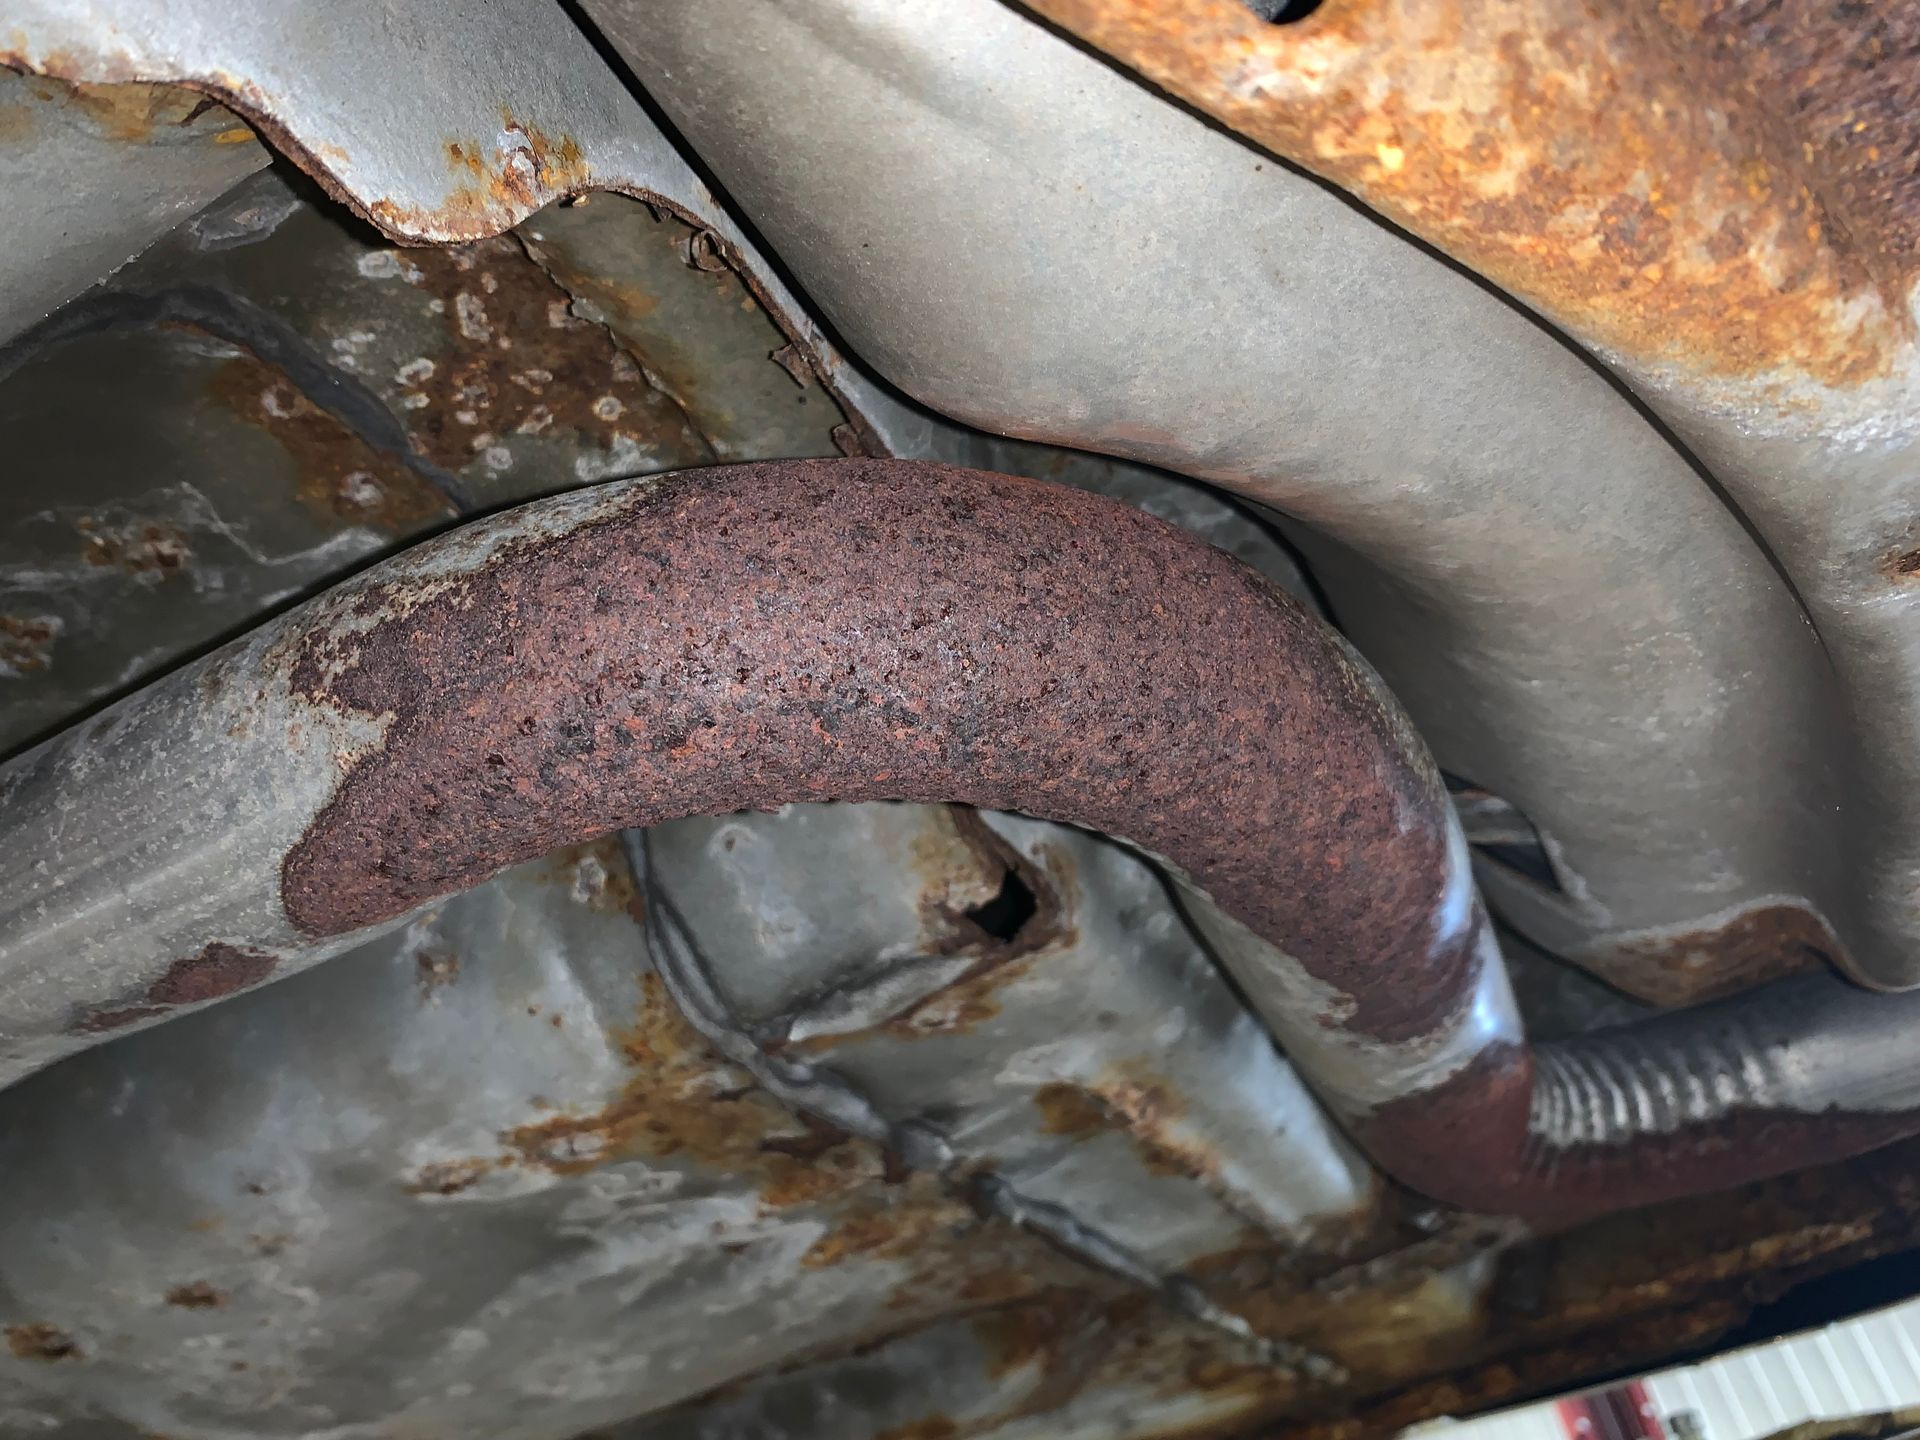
(1283, 12)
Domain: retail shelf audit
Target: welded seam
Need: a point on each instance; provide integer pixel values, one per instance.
(689, 983)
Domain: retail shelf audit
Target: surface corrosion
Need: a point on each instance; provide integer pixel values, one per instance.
(681, 1104)
(339, 474)
(26, 643)
(493, 185)
(518, 361)
(1765, 943)
(1723, 187)
(747, 637)
(826, 630)
(216, 971)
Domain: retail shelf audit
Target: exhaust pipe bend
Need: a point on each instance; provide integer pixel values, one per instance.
(882, 630)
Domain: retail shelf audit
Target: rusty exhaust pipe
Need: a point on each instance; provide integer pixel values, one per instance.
(880, 630)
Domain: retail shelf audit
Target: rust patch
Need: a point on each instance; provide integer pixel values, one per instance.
(682, 1101)
(42, 1342)
(26, 644)
(518, 361)
(864, 630)
(1020, 1335)
(337, 474)
(931, 1427)
(494, 185)
(1468, 1141)
(1069, 1110)
(914, 1218)
(1721, 186)
(131, 111)
(196, 1295)
(146, 551)
(434, 970)
(1901, 565)
(450, 1177)
(216, 972)
(1767, 943)
(1142, 1109)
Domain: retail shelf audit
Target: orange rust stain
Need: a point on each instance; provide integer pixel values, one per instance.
(148, 550)
(498, 182)
(26, 643)
(450, 1177)
(1033, 1332)
(42, 1342)
(1719, 189)
(130, 110)
(337, 474)
(681, 1101)
(1901, 565)
(914, 1219)
(1069, 1110)
(1144, 1108)
(435, 969)
(1757, 946)
(596, 875)
(517, 361)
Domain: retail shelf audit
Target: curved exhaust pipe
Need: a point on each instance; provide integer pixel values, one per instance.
(870, 630)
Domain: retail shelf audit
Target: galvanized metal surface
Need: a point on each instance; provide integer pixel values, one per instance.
(482, 1176)
(1635, 896)
(92, 174)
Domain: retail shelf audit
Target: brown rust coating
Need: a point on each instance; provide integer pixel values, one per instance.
(42, 1342)
(196, 1295)
(517, 361)
(338, 474)
(1468, 1140)
(1767, 943)
(213, 973)
(26, 643)
(144, 550)
(1723, 187)
(216, 972)
(861, 630)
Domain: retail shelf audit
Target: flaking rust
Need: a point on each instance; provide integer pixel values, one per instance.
(825, 630)
(1723, 187)
(497, 181)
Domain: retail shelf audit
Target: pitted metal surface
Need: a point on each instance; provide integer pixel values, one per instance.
(844, 1134)
(738, 638)
(1569, 614)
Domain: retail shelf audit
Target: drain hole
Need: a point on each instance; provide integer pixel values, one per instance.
(1006, 914)
(1283, 12)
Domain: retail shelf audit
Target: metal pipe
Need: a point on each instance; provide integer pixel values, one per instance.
(857, 630)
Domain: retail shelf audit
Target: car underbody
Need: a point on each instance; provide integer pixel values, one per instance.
(863, 719)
